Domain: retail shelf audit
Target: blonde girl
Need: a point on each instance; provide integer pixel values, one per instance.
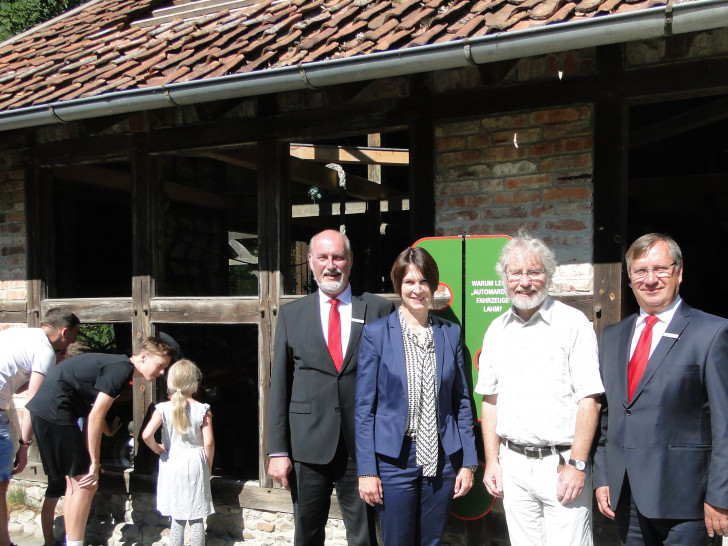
(185, 454)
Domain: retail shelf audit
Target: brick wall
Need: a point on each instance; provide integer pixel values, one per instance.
(523, 169)
(12, 235)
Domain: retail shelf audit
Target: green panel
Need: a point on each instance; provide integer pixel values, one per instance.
(485, 295)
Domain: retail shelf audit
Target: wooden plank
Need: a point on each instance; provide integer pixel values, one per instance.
(95, 310)
(607, 295)
(421, 179)
(352, 207)
(198, 310)
(13, 311)
(366, 155)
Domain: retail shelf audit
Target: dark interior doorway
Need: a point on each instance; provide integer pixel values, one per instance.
(678, 184)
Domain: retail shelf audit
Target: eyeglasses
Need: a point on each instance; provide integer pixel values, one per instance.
(531, 274)
(660, 271)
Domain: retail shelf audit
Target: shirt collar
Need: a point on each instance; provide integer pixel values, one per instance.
(663, 316)
(344, 297)
(545, 312)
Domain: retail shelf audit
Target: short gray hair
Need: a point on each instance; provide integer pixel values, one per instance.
(643, 245)
(524, 243)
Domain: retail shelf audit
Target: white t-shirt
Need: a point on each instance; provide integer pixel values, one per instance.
(540, 370)
(22, 351)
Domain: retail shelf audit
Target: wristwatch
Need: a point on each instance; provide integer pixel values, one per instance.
(22, 443)
(578, 464)
(473, 468)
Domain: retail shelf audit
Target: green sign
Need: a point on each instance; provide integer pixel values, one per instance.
(470, 294)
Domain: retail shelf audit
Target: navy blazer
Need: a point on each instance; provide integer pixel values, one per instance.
(381, 393)
(672, 438)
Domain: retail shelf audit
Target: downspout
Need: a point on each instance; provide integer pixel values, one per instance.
(610, 29)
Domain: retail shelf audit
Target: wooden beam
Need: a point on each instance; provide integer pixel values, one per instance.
(307, 172)
(205, 310)
(95, 310)
(13, 311)
(365, 155)
(352, 207)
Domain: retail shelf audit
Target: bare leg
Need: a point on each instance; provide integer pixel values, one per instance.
(76, 507)
(4, 536)
(47, 517)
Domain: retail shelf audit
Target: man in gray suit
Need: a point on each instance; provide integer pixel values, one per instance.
(310, 429)
(661, 462)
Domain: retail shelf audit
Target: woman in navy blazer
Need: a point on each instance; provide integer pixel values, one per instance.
(396, 353)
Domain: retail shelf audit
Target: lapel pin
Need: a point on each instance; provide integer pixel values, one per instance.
(359, 320)
(673, 336)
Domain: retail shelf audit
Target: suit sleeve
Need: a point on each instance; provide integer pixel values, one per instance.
(280, 391)
(716, 384)
(461, 396)
(366, 403)
(599, 466)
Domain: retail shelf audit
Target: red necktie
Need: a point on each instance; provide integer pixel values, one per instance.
(335, 334)
(641, 355)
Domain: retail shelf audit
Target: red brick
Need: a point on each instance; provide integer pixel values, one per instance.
(554, 116)
(511, 228)
(541, 148)
(573, 208)
(541, 210)
(479, 141)
(533, 181)
(460, 128)
(458, 217)
(448, 144)
(503, 153)
(459, 172)
(478, 229)
(567, 162)
(566, 194)
(455, 188)
(577, 144)
(512, 121)
(566, 130)
(515, 197)
(522, 136)
(468, 201)
(505, 212)
(458, 158)
(566, 225)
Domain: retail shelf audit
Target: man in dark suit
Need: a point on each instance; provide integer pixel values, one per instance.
(661, 462)
(311, 406)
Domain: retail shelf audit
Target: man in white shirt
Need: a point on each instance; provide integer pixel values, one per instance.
(539, 377)
(26, 354)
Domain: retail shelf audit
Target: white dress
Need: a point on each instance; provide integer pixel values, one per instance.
(183, 485)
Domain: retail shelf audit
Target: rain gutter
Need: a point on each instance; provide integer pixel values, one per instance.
(611, 29)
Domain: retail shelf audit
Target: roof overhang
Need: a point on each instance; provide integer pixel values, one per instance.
(611, 29)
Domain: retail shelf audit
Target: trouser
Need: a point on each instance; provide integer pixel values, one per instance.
(533, 513)
(311, 488)
(415, 509)
(635, 529)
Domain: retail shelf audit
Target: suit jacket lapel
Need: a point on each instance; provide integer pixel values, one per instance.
(358, 316)
(623, 348)
(679, 322)
(438, 336)
(396, 342)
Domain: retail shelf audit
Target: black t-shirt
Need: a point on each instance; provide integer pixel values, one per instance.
(70, 388)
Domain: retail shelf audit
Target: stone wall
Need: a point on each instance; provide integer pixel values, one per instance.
(12, 236)
(530, 169)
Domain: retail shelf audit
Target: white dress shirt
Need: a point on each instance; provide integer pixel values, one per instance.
(658, 330)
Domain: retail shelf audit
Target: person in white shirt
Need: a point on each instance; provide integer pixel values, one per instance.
(539, 377)
(26, 355)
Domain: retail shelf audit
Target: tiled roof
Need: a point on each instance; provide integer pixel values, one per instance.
(115, 45)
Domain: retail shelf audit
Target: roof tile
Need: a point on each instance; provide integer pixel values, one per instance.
(96, 49)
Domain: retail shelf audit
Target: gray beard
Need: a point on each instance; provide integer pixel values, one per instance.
(331, 287)
(527, 304)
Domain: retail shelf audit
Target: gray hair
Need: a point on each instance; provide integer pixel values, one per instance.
(526, 244)
(59, 317)
(643, 245)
